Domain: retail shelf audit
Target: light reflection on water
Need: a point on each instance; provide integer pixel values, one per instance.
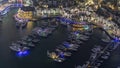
(29, 26)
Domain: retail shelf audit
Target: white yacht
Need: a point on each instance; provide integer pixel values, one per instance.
(105, 57)
(105, 40)
(18, 48)
(55, 57)
(83, 38)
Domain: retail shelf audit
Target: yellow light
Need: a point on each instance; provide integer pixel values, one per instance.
(112, 6)
(110, 18)
(94, 26)
(89, 2)
(29, 26)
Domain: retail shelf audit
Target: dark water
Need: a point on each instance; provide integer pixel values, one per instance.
(37, 57)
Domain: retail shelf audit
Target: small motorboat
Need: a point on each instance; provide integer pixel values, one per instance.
(59, 59)
(104, 57)
(73, 49)
(18, 48)
(105, 40)
(15, 48)
(22, 42)
(35, 40)
(79, 42)
(15, 44)
(55, 56)
(64, 52)
(30, 45)
(83, 38)
(67, 54)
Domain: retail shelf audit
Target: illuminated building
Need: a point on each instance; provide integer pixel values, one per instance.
(25, 12)
(118, 4)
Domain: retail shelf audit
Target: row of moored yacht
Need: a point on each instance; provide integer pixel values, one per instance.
(99, 54)
(31, 40)
(64, 50)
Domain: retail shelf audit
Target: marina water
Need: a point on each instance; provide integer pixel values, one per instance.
(38, 56)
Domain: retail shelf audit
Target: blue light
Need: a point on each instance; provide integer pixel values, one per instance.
(66, 44)
(61, 55)
(76, 32)
(67, 20)
(86, 27)
(116, 39)
(22, 53)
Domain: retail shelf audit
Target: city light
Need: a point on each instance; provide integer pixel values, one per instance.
(75, 31)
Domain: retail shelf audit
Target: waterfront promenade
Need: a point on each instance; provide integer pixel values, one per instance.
(4, 7)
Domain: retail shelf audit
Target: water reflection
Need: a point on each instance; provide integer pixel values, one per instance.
(29, 26)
